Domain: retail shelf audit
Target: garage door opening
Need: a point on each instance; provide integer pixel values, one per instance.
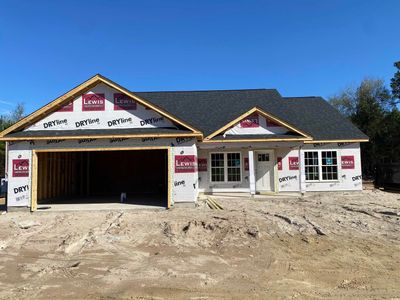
(94, 177)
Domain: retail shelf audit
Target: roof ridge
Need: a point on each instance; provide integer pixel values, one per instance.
(203, 91)
(294, 97)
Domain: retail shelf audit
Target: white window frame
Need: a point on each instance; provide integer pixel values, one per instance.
(320, 165)
(226, 167)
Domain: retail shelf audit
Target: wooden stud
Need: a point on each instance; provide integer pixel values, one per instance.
(34, 181)
(170, 176)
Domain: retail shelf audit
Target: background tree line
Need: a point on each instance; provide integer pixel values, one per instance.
(373, 108)
(7, 120)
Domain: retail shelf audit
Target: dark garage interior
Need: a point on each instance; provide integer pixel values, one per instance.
(101, 177)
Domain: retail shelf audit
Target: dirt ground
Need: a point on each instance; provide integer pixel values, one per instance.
(331, 245)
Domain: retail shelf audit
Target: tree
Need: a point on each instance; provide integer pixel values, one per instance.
(395, 83)
(6, 121)
(370, 107)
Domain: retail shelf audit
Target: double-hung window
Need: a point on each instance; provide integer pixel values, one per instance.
(329, 165)
(226, 167)
(218, 167)
(311, 165)
(321, 165)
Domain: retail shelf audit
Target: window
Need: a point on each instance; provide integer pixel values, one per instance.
(226, 167)
(233, 167)
(321, 165)
(217, 167)
(263, 157)
(329, 165)
(311, 165)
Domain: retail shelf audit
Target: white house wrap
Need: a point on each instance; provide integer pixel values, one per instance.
(100, 139)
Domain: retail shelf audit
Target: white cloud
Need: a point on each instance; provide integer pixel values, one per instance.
(6, 103)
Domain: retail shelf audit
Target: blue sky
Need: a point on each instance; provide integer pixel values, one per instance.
(300, 47)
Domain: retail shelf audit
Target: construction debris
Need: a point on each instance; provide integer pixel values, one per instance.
(213, 204)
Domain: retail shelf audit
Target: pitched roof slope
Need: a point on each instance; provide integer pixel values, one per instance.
(320, 119)
(210, 110)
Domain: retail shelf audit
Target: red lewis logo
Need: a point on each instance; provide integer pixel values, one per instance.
(185, 163)
(67, 107)
(93, 102)
(123, 102)
(250, 122)
(202, 164)
(20, 167)
(347, 162)
(279, 162)
(293, 163)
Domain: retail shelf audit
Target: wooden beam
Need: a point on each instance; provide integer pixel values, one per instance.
(257, 140)
(261, 112)
(103, 136)
(169, 176)
(102, 149)
(52, 106)
(82, 88)
(337, 141)
(34, 181)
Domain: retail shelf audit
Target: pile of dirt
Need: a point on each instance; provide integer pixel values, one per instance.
(209, 233)
(322, 245)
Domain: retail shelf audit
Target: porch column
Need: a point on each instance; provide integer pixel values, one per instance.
(302, 172)
(252, 177)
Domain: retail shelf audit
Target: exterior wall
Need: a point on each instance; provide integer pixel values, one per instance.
(205, 149)
(256, 124)
(349, 179)
(19, 177)
(20, 163)
(107, 116)
(288, 178)
(287, 171)
(205, 184)
(186, 180)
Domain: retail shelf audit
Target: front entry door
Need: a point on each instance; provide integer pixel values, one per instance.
(264, 162)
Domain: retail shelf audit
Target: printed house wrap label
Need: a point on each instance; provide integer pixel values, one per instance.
(20, 168)
(279, 161)
(185, 163)
(93, 102)
(250, 122)
(246, 163)
(67, 107)
(202, 164)
(293, 163)
(123, 102)
(347, 162)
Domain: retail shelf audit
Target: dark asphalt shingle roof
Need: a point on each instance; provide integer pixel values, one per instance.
(208, 111)
(320, 119)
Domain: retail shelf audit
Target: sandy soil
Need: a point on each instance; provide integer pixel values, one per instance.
(338, 245)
